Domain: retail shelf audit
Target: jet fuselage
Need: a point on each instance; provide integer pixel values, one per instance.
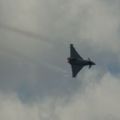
(78, 61)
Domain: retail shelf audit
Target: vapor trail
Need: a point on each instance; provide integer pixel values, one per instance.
(25, 33)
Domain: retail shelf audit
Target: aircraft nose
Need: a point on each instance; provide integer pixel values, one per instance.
(93, 63)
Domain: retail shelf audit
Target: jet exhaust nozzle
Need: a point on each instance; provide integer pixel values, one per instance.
(90, 63)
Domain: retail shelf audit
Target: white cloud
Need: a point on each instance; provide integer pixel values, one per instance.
(98, 100)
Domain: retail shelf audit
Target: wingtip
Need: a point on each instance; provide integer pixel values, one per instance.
(71, 44)
(74, 76)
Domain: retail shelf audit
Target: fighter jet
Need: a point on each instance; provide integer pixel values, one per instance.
(77, 62)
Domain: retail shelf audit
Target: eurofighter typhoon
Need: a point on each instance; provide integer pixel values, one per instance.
(77, 62)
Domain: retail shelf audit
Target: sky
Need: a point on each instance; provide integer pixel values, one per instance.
(35, 79)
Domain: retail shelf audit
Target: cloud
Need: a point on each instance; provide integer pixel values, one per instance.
(98, 100)
(35, 80)
(88, 23)
(92, 25)
(36, 66)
